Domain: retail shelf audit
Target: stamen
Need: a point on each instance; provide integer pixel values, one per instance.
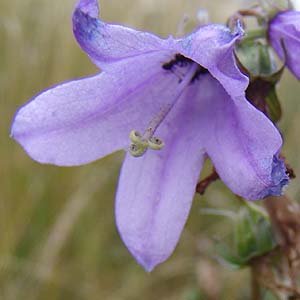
(141, 143)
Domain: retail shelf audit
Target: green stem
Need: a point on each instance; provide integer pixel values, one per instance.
(255, 34)
(255, 288)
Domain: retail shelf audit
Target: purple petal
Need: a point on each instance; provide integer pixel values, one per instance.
(155, 191)
(80, 121)
(107, 43)
(212, 46)
(285, 28)
(242, 143)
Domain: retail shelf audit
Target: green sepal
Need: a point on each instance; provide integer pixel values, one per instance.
(266, 63)
(256, 59)
(274, 110)
(259, 63)
(247, 56)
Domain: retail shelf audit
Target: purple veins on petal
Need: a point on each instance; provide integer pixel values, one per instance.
(188, 92)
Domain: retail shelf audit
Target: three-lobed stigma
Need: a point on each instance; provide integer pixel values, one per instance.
(141, 143)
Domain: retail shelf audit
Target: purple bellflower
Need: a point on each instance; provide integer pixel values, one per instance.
(284, 36)
(184, 97)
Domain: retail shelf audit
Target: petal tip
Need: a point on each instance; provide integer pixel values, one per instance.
(85, 14)
(146, 261)
(279, 179)
(11, 133)
(148, 267)
(142, 253)
(13, 129)
(239, 30)
(90, 7)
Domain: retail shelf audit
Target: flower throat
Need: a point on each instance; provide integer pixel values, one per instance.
(142, 142)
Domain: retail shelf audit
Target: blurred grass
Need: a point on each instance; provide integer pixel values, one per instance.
(58, 238)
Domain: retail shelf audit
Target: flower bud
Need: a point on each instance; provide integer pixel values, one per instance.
(252, 237)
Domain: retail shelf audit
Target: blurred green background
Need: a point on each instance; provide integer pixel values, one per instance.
(58, 237)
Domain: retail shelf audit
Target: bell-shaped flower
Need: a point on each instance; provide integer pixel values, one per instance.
(178, 100)
(284, 36)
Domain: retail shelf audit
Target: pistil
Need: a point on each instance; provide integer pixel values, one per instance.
(141, 143)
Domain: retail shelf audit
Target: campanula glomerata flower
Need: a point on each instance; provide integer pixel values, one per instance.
(178, 101)
(284, 36)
